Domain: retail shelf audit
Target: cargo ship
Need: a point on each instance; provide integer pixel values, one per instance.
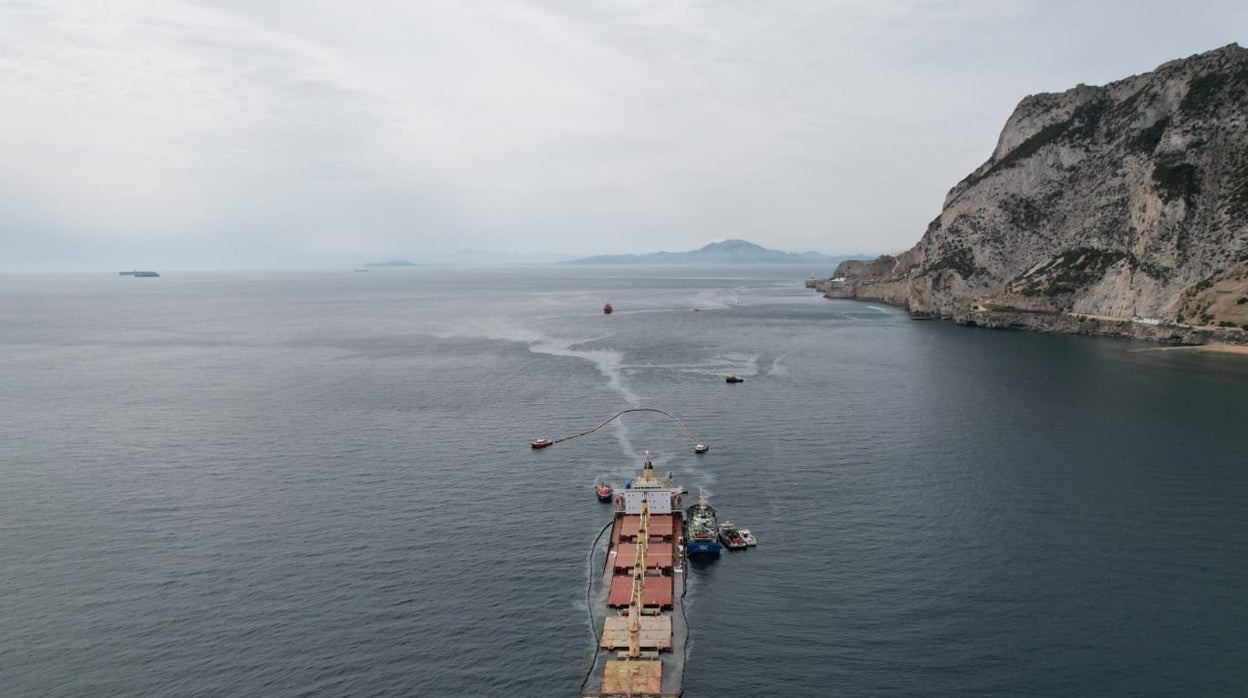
(637, 603)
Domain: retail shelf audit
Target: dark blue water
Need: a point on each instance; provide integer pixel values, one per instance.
(319, 484)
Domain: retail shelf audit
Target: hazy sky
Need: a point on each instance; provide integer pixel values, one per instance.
(178, 134)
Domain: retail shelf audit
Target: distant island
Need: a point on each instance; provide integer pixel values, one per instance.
(726, 252)
(392, 263)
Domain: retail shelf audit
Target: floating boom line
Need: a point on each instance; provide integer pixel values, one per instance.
(670, 416)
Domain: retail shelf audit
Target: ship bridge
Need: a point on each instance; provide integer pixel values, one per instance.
(658, 492)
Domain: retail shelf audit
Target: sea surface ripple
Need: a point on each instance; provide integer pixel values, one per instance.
(319, 484)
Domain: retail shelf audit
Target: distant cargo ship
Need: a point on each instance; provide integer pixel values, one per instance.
(137, 273)
(638, 602)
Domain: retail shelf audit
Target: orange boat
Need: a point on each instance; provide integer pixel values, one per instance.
(604, 492)
(607, 309)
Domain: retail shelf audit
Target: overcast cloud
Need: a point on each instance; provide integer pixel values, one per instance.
(178, 134)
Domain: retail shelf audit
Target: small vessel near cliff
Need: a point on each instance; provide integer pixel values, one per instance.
(607, 309)
(637, 603)
(734, 378)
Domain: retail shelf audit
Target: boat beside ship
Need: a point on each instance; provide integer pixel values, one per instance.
(701, 528)
(603, 491)
(731, 537)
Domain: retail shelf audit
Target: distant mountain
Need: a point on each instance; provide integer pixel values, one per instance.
(490, 258)
(726, 252)
(392, 263)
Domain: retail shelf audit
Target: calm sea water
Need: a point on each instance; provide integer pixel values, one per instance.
(319, 484)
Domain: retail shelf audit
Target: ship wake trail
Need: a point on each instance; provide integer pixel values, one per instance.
(607, 361)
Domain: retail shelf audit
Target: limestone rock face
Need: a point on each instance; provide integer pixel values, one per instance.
(1124, 201)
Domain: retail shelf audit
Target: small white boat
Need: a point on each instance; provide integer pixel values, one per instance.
(731, 537)
(701, 448)
(749, 537)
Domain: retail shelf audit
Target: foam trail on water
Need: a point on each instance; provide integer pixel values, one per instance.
(778, 369)
(621, 434)
(607, 361)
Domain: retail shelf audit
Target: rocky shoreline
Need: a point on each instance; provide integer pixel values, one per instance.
(1051, 322)
(1119, 210)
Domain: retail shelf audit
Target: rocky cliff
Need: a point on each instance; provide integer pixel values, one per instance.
(1125, 204)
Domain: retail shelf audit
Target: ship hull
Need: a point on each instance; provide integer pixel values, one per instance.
(708, 547)
(636, 604)
(673, 659)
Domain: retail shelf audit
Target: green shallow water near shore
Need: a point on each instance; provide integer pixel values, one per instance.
(320, 484)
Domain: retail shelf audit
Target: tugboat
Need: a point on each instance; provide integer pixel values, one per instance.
(700, 528)
(540, 443)
(734, 378)
(604, 492)
(732, 538)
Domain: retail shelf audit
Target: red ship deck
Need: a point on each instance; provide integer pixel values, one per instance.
(655, 560)
(661, 527)
(659, 583)
(658, 591)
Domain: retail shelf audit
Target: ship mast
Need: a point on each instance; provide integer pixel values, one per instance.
(636, 604)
